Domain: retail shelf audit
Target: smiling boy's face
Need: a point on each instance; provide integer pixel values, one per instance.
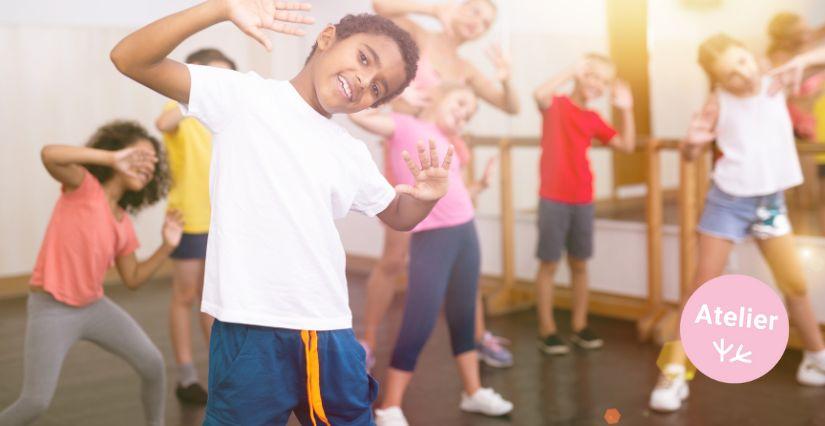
(353, 74)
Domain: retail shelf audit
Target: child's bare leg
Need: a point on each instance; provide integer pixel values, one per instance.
(544, 297)
(468, 370)
(578, 282)
(206, 320)
(780, 253)
(185, 294)
(380, 288)
(713, 257)
(394, 387)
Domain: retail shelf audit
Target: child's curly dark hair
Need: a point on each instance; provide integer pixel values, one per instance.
(119, 134)
(374, 24)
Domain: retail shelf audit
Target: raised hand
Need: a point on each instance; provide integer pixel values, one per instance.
(701, 131)
(431, 179)
(622, 95)
(416, 97)
(488, 172)
(134, 161)
(172, 228)
(254, 16)
(446, 13)
(500, 60)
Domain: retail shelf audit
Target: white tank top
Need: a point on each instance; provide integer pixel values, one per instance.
(756, 138)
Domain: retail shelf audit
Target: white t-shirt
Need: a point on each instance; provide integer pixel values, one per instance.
(756, 138)
(280, 175)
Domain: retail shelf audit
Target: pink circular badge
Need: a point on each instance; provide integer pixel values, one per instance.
(734, 328)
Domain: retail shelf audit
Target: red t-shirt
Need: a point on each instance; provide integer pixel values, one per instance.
(81, 243)
(566, 134)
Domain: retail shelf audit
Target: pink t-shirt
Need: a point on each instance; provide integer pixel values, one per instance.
(82, 241)
(456, 207)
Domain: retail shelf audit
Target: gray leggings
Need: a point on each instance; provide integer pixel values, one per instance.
(53, 327)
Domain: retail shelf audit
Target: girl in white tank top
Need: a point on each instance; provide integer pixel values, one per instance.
(759, 161)
(756, 138)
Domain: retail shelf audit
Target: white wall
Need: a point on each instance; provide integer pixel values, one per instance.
(58, 86)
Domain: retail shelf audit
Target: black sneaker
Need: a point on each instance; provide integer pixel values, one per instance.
(586, 339)
(192, 394)
(553, 345)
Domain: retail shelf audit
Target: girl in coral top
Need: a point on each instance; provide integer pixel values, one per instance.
(117, 173)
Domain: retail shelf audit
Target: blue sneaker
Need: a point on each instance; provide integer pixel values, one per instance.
(492, 352)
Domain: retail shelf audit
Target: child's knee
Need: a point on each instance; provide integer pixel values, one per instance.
(793, 287)
(577, 266)
(151, 366)
(392, 265)
(186, 292)
(548, 267)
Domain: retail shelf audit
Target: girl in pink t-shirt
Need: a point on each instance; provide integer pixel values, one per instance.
(117, 173)
(444, 253)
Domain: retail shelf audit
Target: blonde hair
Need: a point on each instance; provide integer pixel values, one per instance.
(782, 34)
(711, 49)
(601, 59)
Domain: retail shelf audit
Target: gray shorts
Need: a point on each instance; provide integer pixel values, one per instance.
(565, 226)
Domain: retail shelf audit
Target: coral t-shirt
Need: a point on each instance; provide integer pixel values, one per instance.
(82, 241)
(455, 207)
(567, 131)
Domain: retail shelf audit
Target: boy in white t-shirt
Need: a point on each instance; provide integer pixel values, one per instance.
(281, 173)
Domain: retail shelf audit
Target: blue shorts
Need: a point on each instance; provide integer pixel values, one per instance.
(259, 375)
(191, 246)
(735, 218)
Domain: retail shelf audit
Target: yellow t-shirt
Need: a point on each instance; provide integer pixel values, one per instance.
(819, 116)
(189, 149)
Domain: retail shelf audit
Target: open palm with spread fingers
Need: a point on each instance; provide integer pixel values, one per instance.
(172, 228)
(133, 161)
(254, 16)
(431, 178)
(500, 60)
(622, 95)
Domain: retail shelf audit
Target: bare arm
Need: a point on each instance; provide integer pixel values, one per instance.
(405, 211)
(543, 94)
(135, 273)
(623, 101)
(167, 121)
(396, 8)
(63, 162)
(478, 186)
(498, 92)
(414, 202)
(702, 130)
(375, 122)
(142, 55)
(792, 72)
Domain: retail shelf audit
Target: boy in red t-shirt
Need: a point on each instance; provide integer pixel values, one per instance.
(566, 211)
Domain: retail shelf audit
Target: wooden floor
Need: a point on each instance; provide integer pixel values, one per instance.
(99, 389)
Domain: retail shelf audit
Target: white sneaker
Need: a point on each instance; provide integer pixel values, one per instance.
(392, 416)
(811, 371)
(670, 390)
(485, 401)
